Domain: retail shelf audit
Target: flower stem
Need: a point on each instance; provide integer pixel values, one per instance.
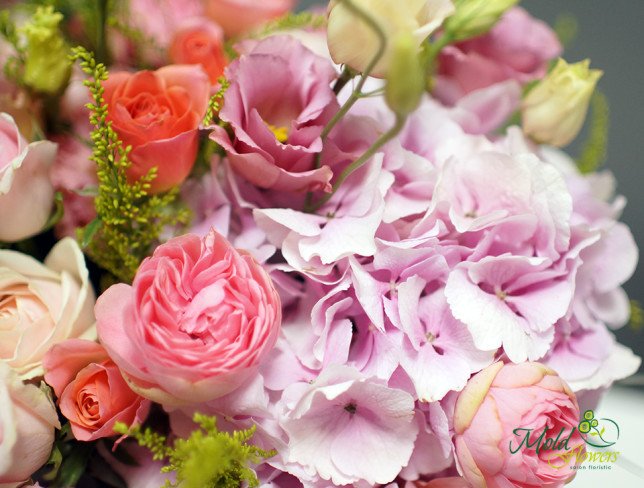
(345, 77)
(101, 31)
(368, 154)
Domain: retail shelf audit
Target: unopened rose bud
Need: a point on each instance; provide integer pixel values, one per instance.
(405, 79)
(47, 66)
(475, 17)
(554, 111)
(354, 42)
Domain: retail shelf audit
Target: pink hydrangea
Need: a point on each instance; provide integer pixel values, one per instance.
(327, 419)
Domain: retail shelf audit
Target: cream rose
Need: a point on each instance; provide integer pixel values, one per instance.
(42, 305)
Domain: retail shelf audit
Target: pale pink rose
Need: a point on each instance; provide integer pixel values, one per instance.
(501, 399)
(72, 172)
(199, 41)
(277, 104)
(27, 423)
(26, 193)
(240, 16)
(91, 392)
(197, 321)
(158, 113)
(42, 305)
(517, 48)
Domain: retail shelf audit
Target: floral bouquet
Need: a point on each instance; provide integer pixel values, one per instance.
(248, 247)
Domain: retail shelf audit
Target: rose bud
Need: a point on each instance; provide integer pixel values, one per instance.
(27, 423)
(498, 407)
(475, 17)
(198, 41)
(554, 111)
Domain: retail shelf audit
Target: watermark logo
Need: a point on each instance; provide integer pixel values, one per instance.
(600, 433)
(566, 450)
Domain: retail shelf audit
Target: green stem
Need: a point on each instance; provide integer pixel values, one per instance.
(368, 154)
(357, 91)
(382, 45)
(345, 77)
(101, 31)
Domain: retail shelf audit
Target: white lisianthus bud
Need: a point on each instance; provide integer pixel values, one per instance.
(554, 111)
(475, 17)
(352, 41)
(406, 77)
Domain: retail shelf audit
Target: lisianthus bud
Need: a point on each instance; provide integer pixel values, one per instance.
(405, 80)
(352, 41)
(554, 111)
(475, 17)
(47, 66)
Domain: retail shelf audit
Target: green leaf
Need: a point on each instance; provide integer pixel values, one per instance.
(58, 213)
(88, 191)
(89, 231)
(55, 460)
(74, 465)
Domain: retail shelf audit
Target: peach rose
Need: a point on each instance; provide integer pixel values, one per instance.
(195, 324)
(27, 423)
(42, 305)
(158, 113)
(91, 392)
(199, 41)
(240, 16)
(497, 409)
(26, 194)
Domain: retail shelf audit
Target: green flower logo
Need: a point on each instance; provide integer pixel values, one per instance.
(597, 435)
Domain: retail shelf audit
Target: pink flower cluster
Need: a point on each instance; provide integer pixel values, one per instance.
(462, 283)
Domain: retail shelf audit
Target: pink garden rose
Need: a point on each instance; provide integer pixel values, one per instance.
(91, 392)
(199, 41)
(42, 305)
(26, 194)
(501, 399)
(517, 48)
(158, 113)
(277, 105)
(195, 324)
(27, 423)
(240, 16)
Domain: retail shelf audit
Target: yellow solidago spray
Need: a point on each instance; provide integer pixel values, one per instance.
(207, 459)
